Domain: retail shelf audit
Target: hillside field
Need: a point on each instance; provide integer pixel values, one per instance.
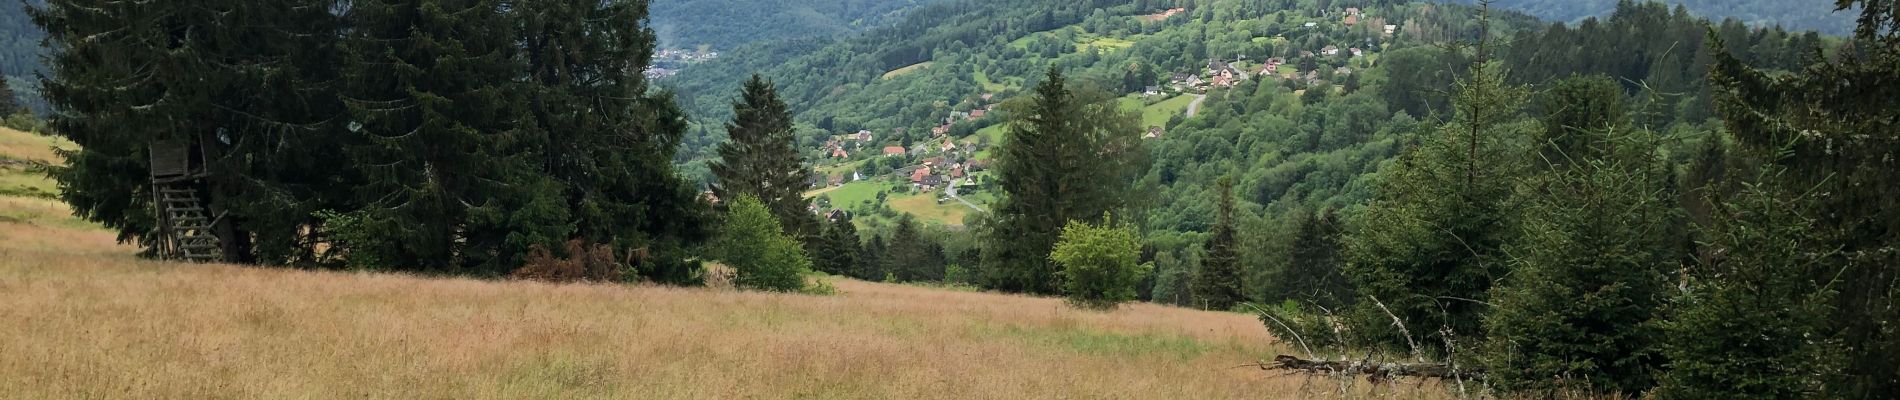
(88, 319)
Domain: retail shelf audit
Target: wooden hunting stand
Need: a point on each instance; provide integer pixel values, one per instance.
(184, 225)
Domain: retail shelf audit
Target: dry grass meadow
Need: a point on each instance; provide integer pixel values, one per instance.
(83, 318)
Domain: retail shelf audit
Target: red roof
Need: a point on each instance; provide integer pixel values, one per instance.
(894, 150)
(918, 176)
(978, 113)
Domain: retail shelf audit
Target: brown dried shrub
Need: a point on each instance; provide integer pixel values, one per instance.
(593, 263)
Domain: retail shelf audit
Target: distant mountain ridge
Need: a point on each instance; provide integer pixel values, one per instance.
(725, 24)
(1794, 15)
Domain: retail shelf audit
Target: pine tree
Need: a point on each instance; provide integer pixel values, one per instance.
(613, 160)
(454, 183)
(1068, 155)
(1217, 282)
(760, 158)
(1428, 248)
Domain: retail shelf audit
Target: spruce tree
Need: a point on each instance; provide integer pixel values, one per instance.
(1591, 269)
(610, 141)
(262, 125)
(871, 260)
(1067, 156)
(913, 257)
(1313, 267)
(1575, 112)
(1833, 127)
(1427, 249)
(1752, 324)
(1217, 283)
(9, 104)
(838, 248)
(454, 183)
(760, 159)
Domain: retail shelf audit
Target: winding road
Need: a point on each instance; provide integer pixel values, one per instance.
(1195, 107)
(952, 191)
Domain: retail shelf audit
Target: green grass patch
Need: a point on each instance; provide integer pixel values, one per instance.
(983, 80)
(855, 193)
(926, 209)
(908, 69)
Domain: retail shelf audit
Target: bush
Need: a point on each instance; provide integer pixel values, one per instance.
(583, 263)
(1099, 263)
(752, 243)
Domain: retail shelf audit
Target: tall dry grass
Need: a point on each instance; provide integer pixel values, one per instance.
(80, 317)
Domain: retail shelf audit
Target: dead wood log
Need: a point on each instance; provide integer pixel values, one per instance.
(1375, 372)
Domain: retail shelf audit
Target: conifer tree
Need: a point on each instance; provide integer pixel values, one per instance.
(260, 125)
(760, 159)
(610, 141)
(1067, 155)
(1590, 271)
(454, 183)
(838, 248)
(912, 256)
(1217, 282)
(1313, 270)
(871, 260)
(9, 104)
(1833, 127)
(1575, 111)
(1751, 324)
(1427, 248)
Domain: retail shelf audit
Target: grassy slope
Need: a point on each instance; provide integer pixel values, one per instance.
(908, 69)
(86, 319)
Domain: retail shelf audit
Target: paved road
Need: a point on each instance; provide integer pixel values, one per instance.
(1195, 107)
(952, 191)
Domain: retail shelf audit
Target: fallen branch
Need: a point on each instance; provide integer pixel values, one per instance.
(1375, 372)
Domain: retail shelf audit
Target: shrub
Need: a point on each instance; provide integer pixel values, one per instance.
(583, 263)
(751, 242)
(1099, 263)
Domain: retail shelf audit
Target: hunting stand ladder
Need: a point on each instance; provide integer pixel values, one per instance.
(184, 224)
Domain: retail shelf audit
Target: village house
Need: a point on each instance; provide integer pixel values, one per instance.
(864, 136)
(940, 130)
(837, 215)
(835, 180)
(978, 113)
(1357, 52)
(1391, 30)
(949, 146)
(1154, 132)
(893, 150)
(1329, 50)
(933, 161)
(1351, 20)
(839, 152)
(988, 96)
(917, 177)
(931, 182)
(1151, 91)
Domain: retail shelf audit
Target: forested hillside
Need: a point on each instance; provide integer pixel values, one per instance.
(19, 50)
(725, 24)
(1800, 15)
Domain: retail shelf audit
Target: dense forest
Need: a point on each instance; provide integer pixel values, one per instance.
(1800, 15)
(727, 24)
(1646, 203)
